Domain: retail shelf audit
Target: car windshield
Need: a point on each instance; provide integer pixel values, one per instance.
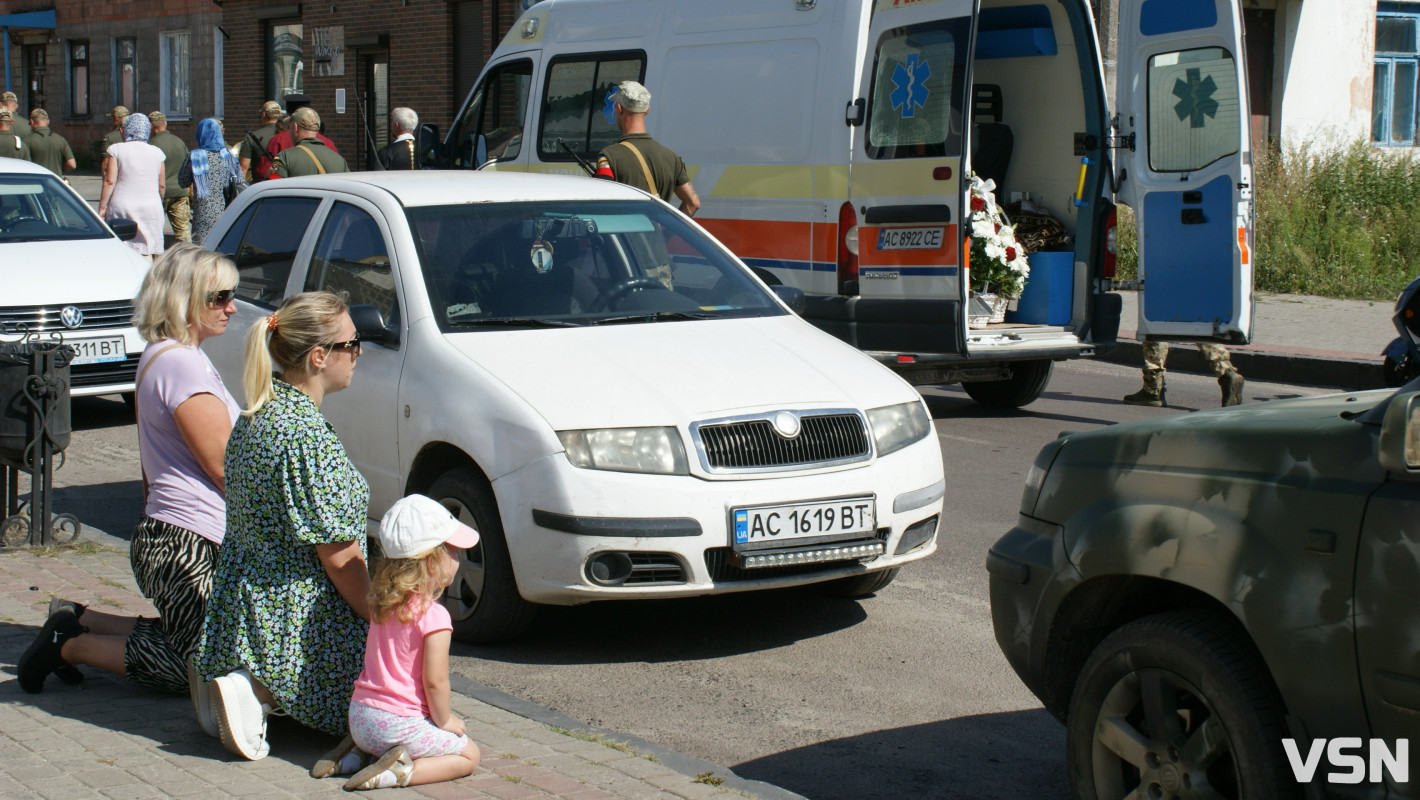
(573, 263)
(38, 208)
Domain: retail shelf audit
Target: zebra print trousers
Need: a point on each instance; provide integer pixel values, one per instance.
(173, 568)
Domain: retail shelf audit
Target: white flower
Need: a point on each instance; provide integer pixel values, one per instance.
(983, 229)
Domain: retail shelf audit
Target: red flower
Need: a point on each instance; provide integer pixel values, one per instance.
(998, 227)
(1010, 254)
(978, 204)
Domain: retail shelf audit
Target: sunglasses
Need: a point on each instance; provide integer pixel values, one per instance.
(221, 298)
(353, 344)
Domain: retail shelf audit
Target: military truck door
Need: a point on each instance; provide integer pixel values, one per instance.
(905, 179)
(1188, 177)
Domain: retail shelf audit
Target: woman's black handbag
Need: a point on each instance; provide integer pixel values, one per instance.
(234, 186)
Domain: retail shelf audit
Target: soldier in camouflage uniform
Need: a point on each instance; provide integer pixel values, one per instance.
(119, 114)
(18, 124)
(1156, 353)
(12, 145)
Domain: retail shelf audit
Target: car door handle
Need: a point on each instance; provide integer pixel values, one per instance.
(1193, 216)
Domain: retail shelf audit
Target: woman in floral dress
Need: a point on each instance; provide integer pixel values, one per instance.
(207, 171)
(288, 614)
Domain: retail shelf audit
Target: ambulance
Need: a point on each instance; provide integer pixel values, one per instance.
(832, 143)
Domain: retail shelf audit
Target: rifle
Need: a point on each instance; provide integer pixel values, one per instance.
(591, 173)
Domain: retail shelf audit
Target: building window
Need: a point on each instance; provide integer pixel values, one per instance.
(1393, 106)
(176, 78)
(125, 73)
(78, 79)
(285, 69)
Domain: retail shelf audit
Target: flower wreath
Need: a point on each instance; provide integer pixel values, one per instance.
(998, 261)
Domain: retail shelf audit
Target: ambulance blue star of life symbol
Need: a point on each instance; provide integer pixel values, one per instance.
(609, 107)
(910, 79)
(1195, 98)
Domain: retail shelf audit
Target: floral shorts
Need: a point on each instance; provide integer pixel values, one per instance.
(376, 730)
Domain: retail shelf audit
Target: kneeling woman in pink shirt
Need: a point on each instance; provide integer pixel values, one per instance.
(400, 708)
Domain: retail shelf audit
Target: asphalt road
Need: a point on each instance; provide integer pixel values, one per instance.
(904, 694)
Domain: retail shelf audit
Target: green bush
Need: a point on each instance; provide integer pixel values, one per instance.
(1335, 223)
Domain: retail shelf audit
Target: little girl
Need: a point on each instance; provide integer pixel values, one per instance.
(400, 707)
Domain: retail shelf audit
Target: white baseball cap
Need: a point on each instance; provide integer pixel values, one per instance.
(417, 524)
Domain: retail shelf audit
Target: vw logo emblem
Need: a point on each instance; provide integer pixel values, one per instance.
(72, 317)
(786, 424)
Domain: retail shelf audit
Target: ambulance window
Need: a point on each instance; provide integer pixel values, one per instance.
(1194, 116)
(574, 103)
(497, 111)
(914, 108)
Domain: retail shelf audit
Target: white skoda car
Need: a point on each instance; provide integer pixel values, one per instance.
(616, 402)
(66, 274)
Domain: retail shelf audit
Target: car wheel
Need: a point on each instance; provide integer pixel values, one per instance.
(483, 599)
(1025, 386)
(859, 585)
(1172, 706)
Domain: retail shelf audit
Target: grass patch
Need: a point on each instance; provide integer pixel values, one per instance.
(81, 547)
(709, 779)
(1334, 223)
(510, 756)
(604, 741)
(111, 582)
(512, 778)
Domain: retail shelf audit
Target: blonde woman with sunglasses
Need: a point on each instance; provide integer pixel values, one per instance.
(185, 416)
(287, 619)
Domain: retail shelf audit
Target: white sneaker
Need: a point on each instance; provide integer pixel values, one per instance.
(241, 717)
(201, 694)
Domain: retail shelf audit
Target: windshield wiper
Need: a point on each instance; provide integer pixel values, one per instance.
(652, 316)
(516, 322)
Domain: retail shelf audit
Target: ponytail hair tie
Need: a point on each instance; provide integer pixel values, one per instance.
(271, 324)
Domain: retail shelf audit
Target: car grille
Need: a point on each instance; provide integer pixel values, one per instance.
(38, 319)
(106, 373)
(753, 444)
(718, 561)
(653, 569)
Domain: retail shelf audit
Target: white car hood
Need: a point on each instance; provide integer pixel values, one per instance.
(61, 273)
(669, 373)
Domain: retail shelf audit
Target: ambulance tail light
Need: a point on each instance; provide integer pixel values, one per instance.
(847, 250)
(1111, 239)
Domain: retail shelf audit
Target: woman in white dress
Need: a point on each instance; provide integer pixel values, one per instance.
(134, 176)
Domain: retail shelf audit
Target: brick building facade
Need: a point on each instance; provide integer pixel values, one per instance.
(372, 54)
(145, 54)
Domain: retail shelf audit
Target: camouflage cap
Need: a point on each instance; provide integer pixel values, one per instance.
(9, 97)
(271, 109)
(306, 118)
(5, 115)
(157, 117)
(119, 111)
(39, 113)
(633, 97)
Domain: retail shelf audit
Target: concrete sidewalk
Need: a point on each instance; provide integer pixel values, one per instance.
(107, 738)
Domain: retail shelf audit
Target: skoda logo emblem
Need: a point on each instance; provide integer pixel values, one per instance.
(72, 317)
(786, 424)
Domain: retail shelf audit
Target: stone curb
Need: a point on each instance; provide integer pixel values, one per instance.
(1348, 372)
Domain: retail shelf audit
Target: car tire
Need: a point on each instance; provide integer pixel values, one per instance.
(483, 599)
(1211, 688)
(859, 585)
(1025, 386)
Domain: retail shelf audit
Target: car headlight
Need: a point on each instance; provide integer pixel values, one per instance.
(654, 450)
(895, 427)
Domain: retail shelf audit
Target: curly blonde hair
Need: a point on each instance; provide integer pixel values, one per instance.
(395, 581)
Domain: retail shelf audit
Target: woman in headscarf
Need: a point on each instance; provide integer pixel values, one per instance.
(209, 170)
(133, 185)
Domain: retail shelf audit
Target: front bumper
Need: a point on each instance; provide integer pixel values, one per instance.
(557, 518)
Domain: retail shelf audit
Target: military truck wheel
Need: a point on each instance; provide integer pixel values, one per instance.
(1025, 386)
(483, 599)
(1173, 705)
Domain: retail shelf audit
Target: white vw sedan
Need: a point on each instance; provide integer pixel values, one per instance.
(64, 273)
(615, 401)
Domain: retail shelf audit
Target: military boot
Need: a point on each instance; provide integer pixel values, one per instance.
(1232, 385)
(1147, 397)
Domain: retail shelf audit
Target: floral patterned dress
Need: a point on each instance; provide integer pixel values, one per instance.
(273, 610)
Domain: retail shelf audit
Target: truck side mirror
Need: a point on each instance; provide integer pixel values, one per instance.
(480, 153)
(370, 324)
(1400, 434)
(428, 146)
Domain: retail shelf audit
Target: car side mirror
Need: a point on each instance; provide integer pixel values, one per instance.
(792, 297)
(1400, 434)
(125, 229)
(370, 324)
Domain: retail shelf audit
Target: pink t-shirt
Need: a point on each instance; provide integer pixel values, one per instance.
(179, 492)
(393, 678)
